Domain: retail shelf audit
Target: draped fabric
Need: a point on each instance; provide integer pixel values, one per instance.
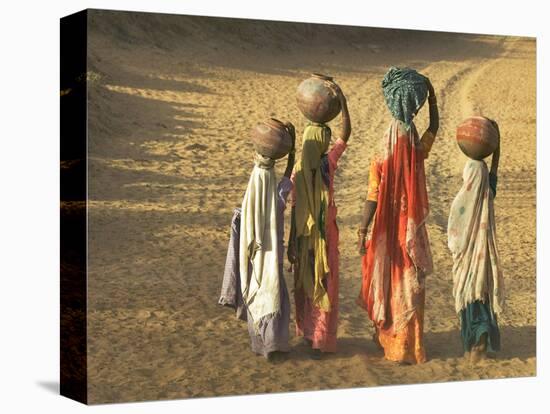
(258, 258)
(312, 199)
(477, 319)
(477, 273)
(319, 326)
(405, 91)
(398, 256)
(231, 294)
(272, 334)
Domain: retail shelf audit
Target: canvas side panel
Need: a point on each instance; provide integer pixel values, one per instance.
(73, 109)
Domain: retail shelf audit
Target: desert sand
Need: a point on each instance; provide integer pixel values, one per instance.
(171, 101)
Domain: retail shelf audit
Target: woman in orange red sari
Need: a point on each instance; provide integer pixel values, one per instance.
(397, 258)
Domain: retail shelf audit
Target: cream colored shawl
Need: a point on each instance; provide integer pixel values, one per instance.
(258, 257)
(477, 274)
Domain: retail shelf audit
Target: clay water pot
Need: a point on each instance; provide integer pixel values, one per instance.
(316, 100)
(477, 137)
(271, 139)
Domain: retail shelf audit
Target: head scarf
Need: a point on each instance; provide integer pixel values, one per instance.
(405, 91)
(477, 274)
(258, 257)
(310, 213)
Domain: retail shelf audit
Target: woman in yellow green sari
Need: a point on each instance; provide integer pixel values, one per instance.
(313, 246)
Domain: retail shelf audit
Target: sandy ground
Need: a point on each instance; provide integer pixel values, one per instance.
(171, 100)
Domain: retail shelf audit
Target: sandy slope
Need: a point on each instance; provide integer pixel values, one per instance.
(171, 102)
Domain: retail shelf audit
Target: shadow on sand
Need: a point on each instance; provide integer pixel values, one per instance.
(516, 342)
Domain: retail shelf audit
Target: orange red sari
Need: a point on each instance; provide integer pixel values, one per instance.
(398, 256)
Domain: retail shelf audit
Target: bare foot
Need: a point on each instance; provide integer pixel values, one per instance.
(479, 351)
(276, 356)
(376, 340)
(404, 363)
(477, 356)
(316, 354)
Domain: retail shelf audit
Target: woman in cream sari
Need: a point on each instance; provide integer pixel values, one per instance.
(478, 284)
(253, 282)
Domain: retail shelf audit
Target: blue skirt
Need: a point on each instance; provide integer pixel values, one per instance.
(476, 320)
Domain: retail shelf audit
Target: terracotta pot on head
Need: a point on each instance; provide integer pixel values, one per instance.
(477, 137)
(271, 139)
(316, 100)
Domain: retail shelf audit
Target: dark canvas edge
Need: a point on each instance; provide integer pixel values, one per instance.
(73, 207)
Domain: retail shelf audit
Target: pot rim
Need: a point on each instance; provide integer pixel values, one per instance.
(321, 76)
(274, 122)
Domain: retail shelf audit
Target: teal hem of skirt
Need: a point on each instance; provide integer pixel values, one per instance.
(475, 320)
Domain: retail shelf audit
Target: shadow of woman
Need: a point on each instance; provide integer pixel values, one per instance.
(347, 347)
(516, 342)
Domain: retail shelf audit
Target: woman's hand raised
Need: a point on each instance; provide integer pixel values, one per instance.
(336, 90)
(431, 91)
